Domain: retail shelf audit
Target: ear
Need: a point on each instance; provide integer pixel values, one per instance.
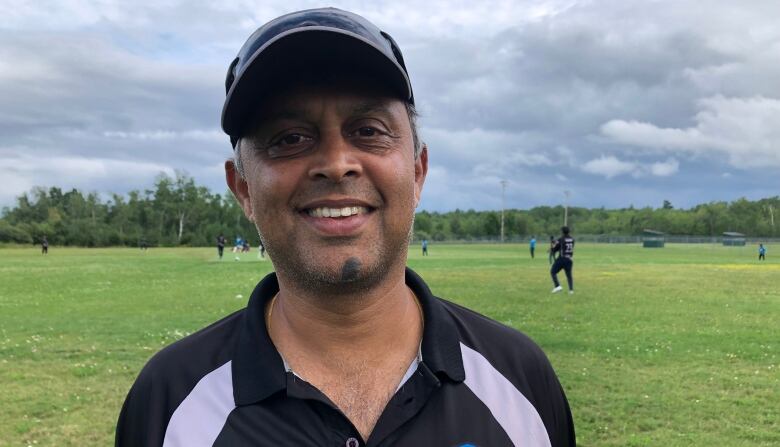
(240, 189)
(420, 171)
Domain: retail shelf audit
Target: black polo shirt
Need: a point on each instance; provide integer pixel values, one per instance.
(478, 383)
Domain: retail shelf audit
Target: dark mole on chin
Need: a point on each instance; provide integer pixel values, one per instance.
(349, 271)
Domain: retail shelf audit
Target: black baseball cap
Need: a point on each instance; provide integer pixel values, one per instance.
(309, 41)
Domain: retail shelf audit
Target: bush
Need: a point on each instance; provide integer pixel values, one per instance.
(10, 233)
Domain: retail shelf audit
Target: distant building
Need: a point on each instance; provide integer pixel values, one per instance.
(653, 239)
(733, 239)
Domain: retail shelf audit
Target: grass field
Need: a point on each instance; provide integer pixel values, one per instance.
(660, 347)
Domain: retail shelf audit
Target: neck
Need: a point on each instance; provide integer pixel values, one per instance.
(384, 318)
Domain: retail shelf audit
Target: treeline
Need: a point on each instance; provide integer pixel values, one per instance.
(754, 218)
(178, 212)
(175, 212)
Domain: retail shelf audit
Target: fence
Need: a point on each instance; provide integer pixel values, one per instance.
(609, 239)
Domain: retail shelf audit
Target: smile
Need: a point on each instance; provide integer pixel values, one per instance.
(337, 212)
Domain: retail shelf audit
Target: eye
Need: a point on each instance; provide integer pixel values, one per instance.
(366, 132)
(289, 145)
(294, 138)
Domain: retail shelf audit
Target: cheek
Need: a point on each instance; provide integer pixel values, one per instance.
(267, 193)
(399, 187)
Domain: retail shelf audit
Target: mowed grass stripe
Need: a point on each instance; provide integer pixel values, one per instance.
(672, 346)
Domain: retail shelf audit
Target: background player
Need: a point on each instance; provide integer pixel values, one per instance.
(551, 250)
(761, 252)
(221, 245)
(532, 245)
(565, 248)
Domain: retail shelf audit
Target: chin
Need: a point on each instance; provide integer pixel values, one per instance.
(344, 276)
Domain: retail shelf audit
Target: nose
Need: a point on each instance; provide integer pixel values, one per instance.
(335, 159)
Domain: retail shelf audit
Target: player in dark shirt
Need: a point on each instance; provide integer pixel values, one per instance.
(220, 245)
(44, 246)
(564, 246)
(551, 250)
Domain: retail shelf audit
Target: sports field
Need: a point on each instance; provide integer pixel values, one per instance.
(661, 347)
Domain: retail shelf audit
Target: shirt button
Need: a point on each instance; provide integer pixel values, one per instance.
(352, 442)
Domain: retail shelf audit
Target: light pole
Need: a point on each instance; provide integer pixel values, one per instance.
(503, 189)
(567, 193)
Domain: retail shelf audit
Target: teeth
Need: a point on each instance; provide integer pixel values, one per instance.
(337, 212)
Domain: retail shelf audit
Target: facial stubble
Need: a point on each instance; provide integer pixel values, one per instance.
(352, 278)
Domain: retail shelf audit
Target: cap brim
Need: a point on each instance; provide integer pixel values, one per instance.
(312, 49)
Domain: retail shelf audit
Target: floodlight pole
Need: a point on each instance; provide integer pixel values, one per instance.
(503, 189)
(567, 193)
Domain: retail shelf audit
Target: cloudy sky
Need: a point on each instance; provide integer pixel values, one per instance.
(621, 102)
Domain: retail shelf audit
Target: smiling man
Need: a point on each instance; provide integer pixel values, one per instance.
(342, 345)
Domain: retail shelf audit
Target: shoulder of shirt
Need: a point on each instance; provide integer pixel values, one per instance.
(520, 361)
(189, 359)
(507, 349)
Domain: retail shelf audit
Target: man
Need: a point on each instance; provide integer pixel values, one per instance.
(342, 345)
(425, 247)
(551, 250)
(761, 252)
(532, 246)
(221, 245)
(44, 246)
(564, 246)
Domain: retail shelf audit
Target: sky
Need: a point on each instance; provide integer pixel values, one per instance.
(619, 102)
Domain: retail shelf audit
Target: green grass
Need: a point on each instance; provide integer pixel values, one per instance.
(669, 347)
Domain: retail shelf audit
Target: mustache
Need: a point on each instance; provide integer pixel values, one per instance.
(353, 189)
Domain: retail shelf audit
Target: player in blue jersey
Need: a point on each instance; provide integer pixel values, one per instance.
(564, 246)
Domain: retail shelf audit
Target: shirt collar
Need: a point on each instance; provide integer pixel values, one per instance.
(441, 340)
(258, 369)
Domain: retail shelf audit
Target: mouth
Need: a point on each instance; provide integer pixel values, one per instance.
(337, 217)
(331, 212)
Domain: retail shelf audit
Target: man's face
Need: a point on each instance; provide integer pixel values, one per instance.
(331, 182)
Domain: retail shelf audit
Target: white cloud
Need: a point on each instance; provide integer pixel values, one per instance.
(744, 130)
(665, 168)
(21, 171)
(167, 135)
(609, 166)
